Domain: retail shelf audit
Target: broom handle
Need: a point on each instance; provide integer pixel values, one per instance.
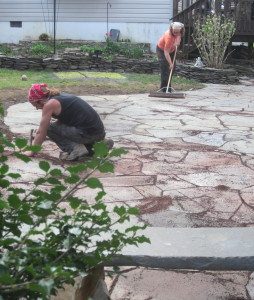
(171, 71)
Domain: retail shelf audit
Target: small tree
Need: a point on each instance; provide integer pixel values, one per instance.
(48, 234)
(212, 36)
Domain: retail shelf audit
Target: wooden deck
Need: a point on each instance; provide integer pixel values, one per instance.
(242, 11)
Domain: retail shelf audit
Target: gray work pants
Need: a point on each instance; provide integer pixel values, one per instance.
(66, 137)
(164, 68)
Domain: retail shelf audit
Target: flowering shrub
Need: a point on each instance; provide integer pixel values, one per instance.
(212, 36)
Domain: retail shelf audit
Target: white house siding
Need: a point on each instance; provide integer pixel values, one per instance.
(138, 20)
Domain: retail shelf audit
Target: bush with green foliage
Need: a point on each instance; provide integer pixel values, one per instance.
(115, 48)
(212, 36)
(48, 234)
(4, 49)
(41, 49)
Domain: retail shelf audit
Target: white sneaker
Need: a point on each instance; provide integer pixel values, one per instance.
(78, 151)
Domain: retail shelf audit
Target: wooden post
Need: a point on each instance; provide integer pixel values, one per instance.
(175, 7)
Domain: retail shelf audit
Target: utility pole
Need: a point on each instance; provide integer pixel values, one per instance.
(54, 26)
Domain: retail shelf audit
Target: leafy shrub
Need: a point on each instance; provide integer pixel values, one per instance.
(91, 49)
(44, 37)
(212, 36)
(48, 234)
(127, 49)
(5, 50)
(41, 49)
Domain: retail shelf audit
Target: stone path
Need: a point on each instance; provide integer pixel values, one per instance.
(190, 163)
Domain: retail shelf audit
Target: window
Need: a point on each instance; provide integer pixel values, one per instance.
(16, 24)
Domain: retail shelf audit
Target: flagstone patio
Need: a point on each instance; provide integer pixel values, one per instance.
(190, 163)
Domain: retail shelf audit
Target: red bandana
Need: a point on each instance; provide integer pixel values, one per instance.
(36, 92)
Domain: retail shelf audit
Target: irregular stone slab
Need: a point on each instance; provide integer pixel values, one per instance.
(140, 284)
(213, 139)
(246, 147)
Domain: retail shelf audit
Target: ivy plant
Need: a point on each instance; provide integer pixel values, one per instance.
(48, 234)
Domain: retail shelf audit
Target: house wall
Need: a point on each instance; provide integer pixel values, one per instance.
(137, 20)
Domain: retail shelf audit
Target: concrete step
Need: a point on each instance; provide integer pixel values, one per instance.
(193, 248)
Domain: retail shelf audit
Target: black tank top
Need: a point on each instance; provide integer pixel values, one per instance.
(76, 112)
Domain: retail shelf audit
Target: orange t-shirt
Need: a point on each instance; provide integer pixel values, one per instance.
(168, 42)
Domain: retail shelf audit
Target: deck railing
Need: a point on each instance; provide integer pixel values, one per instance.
(242, 11)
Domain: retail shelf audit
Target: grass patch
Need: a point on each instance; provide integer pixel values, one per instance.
(83, 75)
(92, 81)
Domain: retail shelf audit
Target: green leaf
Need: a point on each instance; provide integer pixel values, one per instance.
(44, 165)
(20, 143)
(33, 148)
(74, 202)
(7, 142)
(100, 195)
(58, 189)
(3, 204)
(8, 242)
(26, 219)
(54, 196)
(143, 239)
(94, 183)
(99, 206)
(37, 288)
(120, 210)
(16, 190)
(13, 228)
(40, 181)
(14, 201)
(53, 181)
(55, 172)
(100, 149)
(6, 279)
(42, 212)
(14, 175)
(22, 157)
(106, 167)
(72, 179)
(133, 211)
(3, 158)
(133, 229)
(77, 168)
(116, 152)
(1, 110)
(4, 169)
(4, 183)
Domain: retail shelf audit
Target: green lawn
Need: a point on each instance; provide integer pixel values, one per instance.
(92, 81)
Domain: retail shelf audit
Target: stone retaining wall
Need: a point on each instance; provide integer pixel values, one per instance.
(78, 61)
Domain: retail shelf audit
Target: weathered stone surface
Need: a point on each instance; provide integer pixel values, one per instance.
(182, 170)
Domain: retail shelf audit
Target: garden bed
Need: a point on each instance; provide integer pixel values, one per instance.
(108, 56)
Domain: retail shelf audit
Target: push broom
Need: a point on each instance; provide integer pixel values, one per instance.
(170, 92)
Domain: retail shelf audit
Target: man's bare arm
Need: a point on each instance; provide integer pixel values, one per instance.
(41, 133)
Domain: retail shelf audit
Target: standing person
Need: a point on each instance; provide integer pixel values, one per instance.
(78, 125)
(166, 47)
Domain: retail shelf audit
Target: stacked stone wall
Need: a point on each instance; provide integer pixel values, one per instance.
(79, 61)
